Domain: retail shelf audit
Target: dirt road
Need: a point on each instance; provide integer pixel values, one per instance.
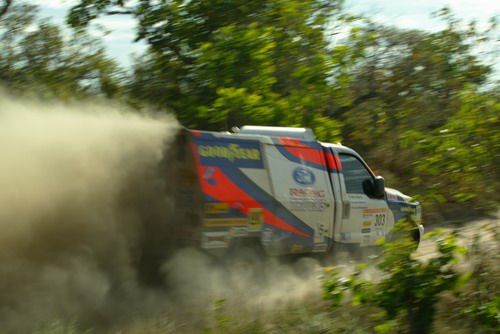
(487, 230)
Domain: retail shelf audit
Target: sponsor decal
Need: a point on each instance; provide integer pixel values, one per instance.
(238, 231)
(380, 220)
(235, 153)
(296, 248)
(366, 230)
(303, 176)
(378, 216)
(208, 176)
(320, 247)
(367, 212)
(216, 208)
(367, 223)
(306, 192)
(320, 232)
(267, 236)
(309, 205)
(224, 222)
(255, 217)
(215, 240)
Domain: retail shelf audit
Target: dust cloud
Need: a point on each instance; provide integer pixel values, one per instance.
(83, 208)
(75, 188)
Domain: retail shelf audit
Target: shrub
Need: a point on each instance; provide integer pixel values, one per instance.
(407, 293)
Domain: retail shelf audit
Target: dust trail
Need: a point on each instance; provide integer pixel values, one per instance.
(76, 183)
(87, 200)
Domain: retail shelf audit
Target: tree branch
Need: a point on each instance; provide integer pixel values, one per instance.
(359, 100)
(5, 7)
(119, 12)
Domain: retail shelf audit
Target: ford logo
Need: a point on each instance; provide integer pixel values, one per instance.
(303, 176)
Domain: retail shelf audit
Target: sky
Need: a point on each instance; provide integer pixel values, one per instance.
(401, 13)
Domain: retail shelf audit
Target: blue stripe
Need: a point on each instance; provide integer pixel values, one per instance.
(266, 200)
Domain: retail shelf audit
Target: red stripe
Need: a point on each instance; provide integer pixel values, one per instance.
(338, 163)
(332, 161)
(292, 142)
(300, 150)
(226, 191)
(195, 133)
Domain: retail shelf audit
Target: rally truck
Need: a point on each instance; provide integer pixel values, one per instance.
(281, 190)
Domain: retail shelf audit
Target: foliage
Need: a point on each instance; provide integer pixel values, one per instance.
(476, 306)
(466, 150)
(60, 327)
(295, 318)
(365, 301)
(409, 289)
(36, 59)
(412, 102)
(220, 64)
(419, 112)
(420, 106)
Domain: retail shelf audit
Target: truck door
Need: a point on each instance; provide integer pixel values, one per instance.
(364, 219)
(301, 186)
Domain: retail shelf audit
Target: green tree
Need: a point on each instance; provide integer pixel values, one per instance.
(394, 95)
(462, 156)
(36, 59)
(409, 90)
(217, 64)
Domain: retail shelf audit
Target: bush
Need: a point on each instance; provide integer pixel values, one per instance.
(409, 289)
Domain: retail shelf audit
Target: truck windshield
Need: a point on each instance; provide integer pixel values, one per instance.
(354, 173)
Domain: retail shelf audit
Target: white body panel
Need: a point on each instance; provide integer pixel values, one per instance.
(310, 199)
(294, 189)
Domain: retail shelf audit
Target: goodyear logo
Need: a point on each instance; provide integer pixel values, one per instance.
(244, 154)
(231, 152)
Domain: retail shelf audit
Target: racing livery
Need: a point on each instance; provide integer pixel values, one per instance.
(288, 191)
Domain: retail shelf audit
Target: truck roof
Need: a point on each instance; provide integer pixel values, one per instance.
(273, 135)
(266, 134)
(276, 131)
(305, 134)
(340, 148)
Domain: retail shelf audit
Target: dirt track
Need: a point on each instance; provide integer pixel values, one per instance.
(485, 229)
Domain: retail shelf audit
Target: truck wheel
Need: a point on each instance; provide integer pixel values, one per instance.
(337, 255)
(245, 255)
(307, 267)
(406, 230)
(415, 236)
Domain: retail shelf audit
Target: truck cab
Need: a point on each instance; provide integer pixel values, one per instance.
(284, 190)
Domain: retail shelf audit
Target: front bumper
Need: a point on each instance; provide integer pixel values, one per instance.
(421, 231)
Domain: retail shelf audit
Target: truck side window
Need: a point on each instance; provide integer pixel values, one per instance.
(354, 173)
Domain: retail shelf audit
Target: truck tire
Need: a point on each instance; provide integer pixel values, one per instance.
(337, 254)
(408, 231)
(247, 255)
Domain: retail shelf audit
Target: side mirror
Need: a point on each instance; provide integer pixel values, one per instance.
(374, 187)
(379, 187)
